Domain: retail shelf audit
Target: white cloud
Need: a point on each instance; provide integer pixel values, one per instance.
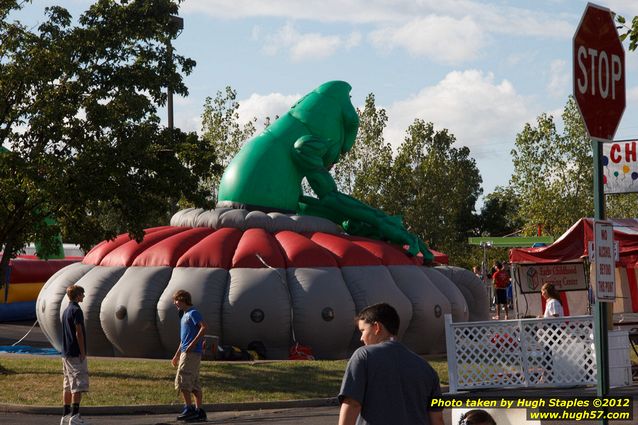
(491, 17)
(560, 78)
(470, 104)
(356, 11)
(308, 46)
(262, 106)
(441, 38)
(447, 32)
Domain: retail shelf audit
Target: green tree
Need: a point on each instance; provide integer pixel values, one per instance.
(78, 115)
(630, 32)
(553, 173)
(223, 133)
(499, 214)
(434, 186)
(363, 172)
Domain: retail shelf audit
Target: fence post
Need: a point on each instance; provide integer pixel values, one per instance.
(451, 354)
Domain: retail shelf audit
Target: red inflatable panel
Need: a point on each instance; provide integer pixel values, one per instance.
(36, 271)
(346, 252)
(125, 254)
(215, 250)
(99, 251)
(386, 253)
(168, 251)
(258, 241)
(299, 251)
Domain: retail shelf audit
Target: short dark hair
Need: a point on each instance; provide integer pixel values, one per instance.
(74, 291)
(382, 313)
(183, 296)
(477, 417)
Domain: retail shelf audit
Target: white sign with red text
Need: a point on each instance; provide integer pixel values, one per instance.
(604, 262)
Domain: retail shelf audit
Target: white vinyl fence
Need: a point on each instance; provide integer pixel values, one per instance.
(551, 352)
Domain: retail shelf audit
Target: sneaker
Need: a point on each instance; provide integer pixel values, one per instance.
(65, 420)
(200, 417)
(189, 412)
(77, 420)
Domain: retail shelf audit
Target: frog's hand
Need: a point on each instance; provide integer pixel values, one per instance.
(398, 234)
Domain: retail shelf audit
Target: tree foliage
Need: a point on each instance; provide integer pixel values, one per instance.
(499, 214)
(552, 176)
(435, 186)
(364, 171)
(223, 133)
(78, 115)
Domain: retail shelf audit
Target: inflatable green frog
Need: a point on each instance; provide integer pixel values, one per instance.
(267, 172)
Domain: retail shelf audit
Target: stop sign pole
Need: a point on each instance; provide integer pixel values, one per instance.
(599, 90)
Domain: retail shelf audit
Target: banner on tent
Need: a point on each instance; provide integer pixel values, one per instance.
(620, 166)
(564, 276)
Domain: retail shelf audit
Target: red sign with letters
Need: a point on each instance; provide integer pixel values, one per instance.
(599, 72)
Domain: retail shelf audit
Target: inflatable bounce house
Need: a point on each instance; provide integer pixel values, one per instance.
(269, 264)
(24, 279)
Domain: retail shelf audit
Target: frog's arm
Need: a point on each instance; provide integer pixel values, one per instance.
(309, 153)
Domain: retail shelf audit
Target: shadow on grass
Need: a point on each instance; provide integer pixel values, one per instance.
(266, 380)
(5, 371)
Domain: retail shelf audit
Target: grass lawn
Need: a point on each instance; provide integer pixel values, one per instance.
(37, 381)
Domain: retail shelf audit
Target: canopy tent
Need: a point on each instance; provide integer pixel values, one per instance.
(565, 263)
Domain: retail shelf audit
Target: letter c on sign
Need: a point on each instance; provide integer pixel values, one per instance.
(614, 153)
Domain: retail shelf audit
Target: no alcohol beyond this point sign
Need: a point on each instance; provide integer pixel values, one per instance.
(599, 72)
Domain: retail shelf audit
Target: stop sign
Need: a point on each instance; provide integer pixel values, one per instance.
(599, 72)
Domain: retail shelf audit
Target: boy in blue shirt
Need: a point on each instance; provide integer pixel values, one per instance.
(188, 357)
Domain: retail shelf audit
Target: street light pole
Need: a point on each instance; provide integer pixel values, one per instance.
(179, 23)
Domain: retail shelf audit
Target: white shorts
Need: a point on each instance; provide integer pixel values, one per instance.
(76, 374)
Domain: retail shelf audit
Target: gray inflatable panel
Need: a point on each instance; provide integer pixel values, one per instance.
(257, 308)
(129, 312)
(426, 333)
(322, 302)
(374, 284)
(472, 288)
(233, 218)
(458, 303)
(97, 283)
(52, 301)
(207, 287)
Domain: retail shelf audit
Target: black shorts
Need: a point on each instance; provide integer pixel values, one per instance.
(501, 296)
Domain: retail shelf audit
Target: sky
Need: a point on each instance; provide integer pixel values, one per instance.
(480, 69)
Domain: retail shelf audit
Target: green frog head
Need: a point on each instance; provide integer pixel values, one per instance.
(330, 103)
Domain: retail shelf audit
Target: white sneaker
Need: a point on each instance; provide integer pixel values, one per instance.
(65, 420)
(77, 420)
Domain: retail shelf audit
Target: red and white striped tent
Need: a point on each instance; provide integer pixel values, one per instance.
(566, 264)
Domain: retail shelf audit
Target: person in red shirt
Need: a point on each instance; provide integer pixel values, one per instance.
(500, 280)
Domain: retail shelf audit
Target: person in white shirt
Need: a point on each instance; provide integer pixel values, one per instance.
(553, 306)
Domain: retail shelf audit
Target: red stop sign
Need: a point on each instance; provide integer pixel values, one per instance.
(599, 72)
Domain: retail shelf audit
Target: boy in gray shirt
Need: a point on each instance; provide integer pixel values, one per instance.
(385, 382)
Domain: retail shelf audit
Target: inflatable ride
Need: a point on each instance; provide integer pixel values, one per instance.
(26, 277)
(269, 264)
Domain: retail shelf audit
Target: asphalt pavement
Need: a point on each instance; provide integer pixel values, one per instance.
(301, 412)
